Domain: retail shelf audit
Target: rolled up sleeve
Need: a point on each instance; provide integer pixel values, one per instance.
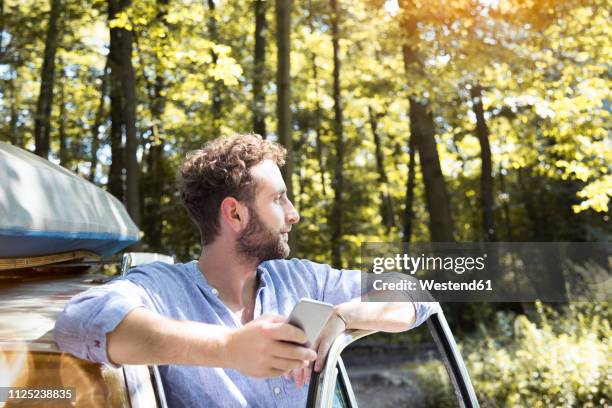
(423, 310)
(82, 327)
(343, 285)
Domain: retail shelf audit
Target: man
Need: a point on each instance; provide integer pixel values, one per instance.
(217, 326)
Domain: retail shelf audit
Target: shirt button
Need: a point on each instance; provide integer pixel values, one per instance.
(215, 292)
(276, 390)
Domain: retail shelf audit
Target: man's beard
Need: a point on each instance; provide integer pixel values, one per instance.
(260, 243)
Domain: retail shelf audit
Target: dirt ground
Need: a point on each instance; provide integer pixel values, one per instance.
(382, 379)
(384, 388)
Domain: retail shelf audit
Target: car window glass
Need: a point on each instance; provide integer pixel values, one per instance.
(340, 399)
(392, 370)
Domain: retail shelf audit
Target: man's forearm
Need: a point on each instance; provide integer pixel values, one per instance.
(144, 337)
(265, 347)
(380, 316)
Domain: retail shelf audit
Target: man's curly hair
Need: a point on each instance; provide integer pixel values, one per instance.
(219, 170)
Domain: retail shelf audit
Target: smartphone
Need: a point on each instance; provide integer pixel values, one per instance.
(311, 316)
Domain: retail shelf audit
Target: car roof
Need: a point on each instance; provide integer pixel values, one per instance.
(30, 306)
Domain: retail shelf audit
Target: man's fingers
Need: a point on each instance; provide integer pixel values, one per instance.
(307, 373)
(293, 352)
(286, 365)
(302, 376)
(287, 332)
(273, 318)
(299, 377)
(275, 372)
(321, 355)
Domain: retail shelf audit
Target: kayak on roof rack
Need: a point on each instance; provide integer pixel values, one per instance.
(46, 209)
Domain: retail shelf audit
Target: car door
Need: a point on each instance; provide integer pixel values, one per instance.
(152, 393)
(332, 388)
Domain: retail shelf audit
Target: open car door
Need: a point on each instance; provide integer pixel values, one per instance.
(332, 389)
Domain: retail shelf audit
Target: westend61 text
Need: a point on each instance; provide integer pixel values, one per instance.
(428, 284)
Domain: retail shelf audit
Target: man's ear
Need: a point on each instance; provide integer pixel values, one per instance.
(234, 214)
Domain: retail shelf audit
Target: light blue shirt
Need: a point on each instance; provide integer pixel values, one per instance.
(181, 292)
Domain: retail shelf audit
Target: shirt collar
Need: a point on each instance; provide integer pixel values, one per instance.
(262, 273)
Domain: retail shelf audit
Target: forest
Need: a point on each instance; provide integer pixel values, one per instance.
(404, 121)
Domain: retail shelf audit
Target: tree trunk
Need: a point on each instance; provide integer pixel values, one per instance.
(156, 150)
(42, 121)
(436, 196)
(123, 105)
(95, 128)
(507, 220)
(259, 96)
(115, 174)
(318, 110)
(388, 217)
(218, 84)
(63, 142)
(337, 216)
(2, 50)
(423, 129)
(155, 163)
(283, 85)
(13, 121)
(408, 210)
(486, 177)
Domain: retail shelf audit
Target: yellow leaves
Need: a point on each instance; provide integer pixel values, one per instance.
(175, 17)
(573, 169)
(173, 116)
(227, 70)
(121, 20)
(596, 195)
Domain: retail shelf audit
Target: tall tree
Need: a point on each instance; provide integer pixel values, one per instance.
(15, 138)
(318, 111)
(42, 121)
(217, 91)
(337, 217)
(123, 111)
(63, 138)
(95, 128)
(259, 96)
(486, 177)
(388, 216)
(155, 158)
(410, 182)
(423, 128)
(2, 50)
(283, 86)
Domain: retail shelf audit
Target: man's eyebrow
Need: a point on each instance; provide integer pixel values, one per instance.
(282, 190)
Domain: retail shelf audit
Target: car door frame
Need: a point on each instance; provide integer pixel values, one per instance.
(137, 375)
(322, 385)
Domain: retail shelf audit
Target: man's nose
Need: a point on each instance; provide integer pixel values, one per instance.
(292, 215)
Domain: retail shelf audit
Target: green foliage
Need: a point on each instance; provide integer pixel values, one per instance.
(543, 67)
(557, 359)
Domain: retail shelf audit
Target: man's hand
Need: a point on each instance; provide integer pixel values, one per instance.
(263, 347)
(332, 329)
